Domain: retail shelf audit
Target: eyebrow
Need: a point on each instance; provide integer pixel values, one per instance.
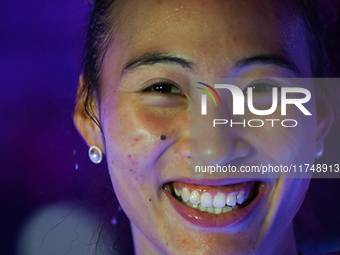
(272, 59)
(150, 59)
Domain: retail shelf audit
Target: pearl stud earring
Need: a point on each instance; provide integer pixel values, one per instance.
(95, 154)
(319, 149)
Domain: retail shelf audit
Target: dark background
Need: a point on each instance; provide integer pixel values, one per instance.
(41, 46)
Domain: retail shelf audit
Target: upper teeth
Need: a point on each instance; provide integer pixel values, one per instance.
(207, 200)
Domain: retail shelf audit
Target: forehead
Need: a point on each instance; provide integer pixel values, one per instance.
(210, 31)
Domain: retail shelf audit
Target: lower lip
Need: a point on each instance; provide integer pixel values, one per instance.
(209, 220)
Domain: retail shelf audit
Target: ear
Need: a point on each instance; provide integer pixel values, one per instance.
(88, 129)
(324, 119)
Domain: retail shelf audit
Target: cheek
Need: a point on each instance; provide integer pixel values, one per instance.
(286, 199)
(285, 145)
(135, 152)
(136, 133)
(129, 136)
(134, 137)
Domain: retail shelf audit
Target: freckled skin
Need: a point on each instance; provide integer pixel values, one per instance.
(213, 35)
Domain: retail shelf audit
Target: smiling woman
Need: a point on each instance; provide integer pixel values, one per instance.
(134, 105)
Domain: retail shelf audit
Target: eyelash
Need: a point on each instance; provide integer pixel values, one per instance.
(261, 85)
(159, 86)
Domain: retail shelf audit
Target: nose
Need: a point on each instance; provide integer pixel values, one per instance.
(221, 144)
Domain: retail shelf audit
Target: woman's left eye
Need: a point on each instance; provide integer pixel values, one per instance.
(262, 88)
(163, 87)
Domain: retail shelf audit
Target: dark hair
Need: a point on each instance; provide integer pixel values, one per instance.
(317, 22)
(98, 39)
(101, 31)
(314, 20)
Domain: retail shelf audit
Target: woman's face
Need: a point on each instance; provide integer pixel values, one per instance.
(171, 42)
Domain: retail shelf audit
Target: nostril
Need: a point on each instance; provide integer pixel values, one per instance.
(242, 148)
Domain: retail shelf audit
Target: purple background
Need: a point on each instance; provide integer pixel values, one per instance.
(41, 46)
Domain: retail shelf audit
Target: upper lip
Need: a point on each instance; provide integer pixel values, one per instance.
(213, 182)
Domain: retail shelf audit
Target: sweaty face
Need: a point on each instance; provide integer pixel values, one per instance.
(145, 116)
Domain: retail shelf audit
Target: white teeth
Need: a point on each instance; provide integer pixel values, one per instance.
(206, 200)
(219, 200)
(206, 203)
(226, 209)
(202, 208)
(240, 197)
(195, 197)
(185, 194)
(216, 209)
(177, 193)
(231, 199)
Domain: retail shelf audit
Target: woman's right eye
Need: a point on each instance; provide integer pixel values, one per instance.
(163, 87)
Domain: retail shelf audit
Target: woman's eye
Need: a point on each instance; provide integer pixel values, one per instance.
(163, 88)
(262, 88)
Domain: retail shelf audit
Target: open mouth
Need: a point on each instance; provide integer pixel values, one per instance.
(215, 206)
(216, 200)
